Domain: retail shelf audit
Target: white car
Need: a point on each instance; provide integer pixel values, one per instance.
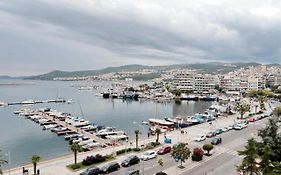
(244, 125)
(149, 155)
(225, 129)
(200, 138)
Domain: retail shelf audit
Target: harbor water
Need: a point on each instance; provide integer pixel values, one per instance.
(21, 138)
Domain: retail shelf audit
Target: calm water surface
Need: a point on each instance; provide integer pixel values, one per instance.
(23, 138)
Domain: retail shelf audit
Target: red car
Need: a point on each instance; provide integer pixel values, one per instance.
(252, 119)
(164, 150)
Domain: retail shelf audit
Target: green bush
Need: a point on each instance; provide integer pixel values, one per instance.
(129, 149)
(197, 154)
(121, 151)
(154, 144)
(136, 149)
(109, 157)
(196, 158)
(75, 167)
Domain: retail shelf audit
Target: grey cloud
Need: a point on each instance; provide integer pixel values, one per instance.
(176, 32)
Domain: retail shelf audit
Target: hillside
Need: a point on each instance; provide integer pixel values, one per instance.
(213, 68)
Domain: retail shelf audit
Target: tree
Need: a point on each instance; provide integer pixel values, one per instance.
(249, 162)
(161, 163)
(75, 148)
(208, 147)
(177, 93)
(272, 138)
(35, 160)
(158, 132)
(181, 153)
(2, 161)
(137, 133)
(243, 108)
(197, 154)
(265, 164)
(277, 111)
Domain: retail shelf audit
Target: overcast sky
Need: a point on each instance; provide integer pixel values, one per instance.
(38, 36)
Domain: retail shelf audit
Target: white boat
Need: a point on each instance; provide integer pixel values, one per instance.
(48, 127)
(28, 102)
(144, 123)
(117, 137)
(3, 104)
(85, 142)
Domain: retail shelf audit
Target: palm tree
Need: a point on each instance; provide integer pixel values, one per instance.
(74, 148)
(137, 133)
(243, 109)
(2, 161)
(35, 159)
(249, 162)
(161, 163)
(158, 132)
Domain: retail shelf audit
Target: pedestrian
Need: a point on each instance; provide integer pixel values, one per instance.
(148, 134)
(23, 170)
(38, 172)
(131, 143)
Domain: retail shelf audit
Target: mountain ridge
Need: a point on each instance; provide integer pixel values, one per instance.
(211, 67)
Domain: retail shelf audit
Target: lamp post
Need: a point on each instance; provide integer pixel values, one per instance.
(143, 145)
(9, 161)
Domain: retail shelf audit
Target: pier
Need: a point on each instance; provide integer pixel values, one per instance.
(72, 128)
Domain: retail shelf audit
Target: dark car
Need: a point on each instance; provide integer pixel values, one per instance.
(219, 131)
(111, 167)
(131, 172)
(164, 150)
(210, 134)
(216, 140)
(91, 171)
(131, 160)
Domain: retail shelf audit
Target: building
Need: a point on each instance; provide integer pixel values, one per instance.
(190, 80)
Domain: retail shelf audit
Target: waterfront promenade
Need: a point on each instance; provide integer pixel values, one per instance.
(58, 166)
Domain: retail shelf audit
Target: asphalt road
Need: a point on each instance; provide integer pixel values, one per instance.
(222, 162)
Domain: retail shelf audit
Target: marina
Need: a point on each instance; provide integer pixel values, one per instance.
(27, 138)
(74, 129)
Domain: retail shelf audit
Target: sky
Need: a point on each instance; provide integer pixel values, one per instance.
(39, 36)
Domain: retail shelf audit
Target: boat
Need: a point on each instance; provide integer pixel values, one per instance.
(3, 104)
(144, 122)
(105, 95)
(189, 97)
(48, 127)
(209, 98)
(28, 102)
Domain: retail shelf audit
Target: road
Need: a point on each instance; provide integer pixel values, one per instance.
(222, 162)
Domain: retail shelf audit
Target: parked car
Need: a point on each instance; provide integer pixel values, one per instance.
(110, 167)
(238, 127)
(244, 125)
(210, 134)
(164, 150)
(225, 129)
(230, 127)
(200, 137)
(131, 160)
(131, 172)
(91, 171)
(219, 131)
(149, 155)
(216, 140)
(251, 119)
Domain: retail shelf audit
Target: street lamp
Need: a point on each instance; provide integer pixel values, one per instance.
(9, 161)
(143, 145)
